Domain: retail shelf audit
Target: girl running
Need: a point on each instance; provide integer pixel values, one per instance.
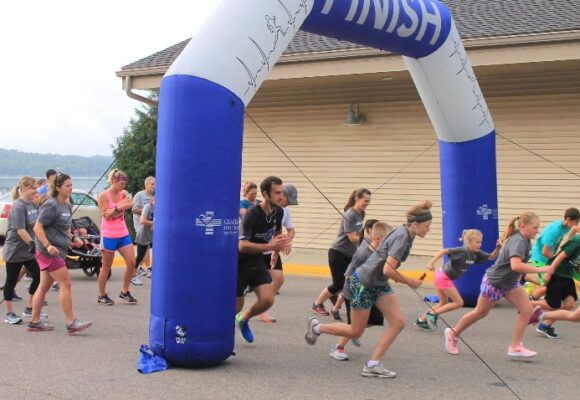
(249, 200)
(460, 260)
(369, 285)
(343, 248)
(53, 237)
(19, 246)
(503, 280)
(115, 236)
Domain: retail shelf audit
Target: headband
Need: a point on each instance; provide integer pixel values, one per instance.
(421, 217)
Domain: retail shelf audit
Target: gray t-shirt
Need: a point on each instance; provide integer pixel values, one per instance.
(460, 259)
(145, 234)
(351, 222)
(23, 215)
(360, 256)
(55, 218)
(139, 201)
(501, 274)
(396, 244)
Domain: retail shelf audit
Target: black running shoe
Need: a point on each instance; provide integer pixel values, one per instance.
(128, 298)
(105, 300)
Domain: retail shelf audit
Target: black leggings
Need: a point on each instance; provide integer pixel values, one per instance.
(338, 263)
(12, 273)
(141, 251)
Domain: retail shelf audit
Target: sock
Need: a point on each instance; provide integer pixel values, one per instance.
(372, 363)
(316, 329)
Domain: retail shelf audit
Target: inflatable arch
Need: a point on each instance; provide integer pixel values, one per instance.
(201, 115)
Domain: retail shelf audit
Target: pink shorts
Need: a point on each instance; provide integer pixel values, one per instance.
(49, 264)
(442, 281)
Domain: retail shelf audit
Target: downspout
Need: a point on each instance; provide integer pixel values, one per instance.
(136, 96)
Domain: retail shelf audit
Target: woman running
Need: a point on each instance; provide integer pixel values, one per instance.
(460, 260)
(53, 238)
(503, 280)
(369, 285)
(19, 246)
(249, 200)
(115, 236)
(343, 248)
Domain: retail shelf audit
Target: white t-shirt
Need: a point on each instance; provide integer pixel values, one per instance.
(287, 219)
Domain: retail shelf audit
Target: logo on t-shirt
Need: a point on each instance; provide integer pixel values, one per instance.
(208, 221)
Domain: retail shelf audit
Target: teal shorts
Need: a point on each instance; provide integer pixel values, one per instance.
(362, 297)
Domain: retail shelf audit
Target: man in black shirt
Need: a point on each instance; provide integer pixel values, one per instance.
(261, 231)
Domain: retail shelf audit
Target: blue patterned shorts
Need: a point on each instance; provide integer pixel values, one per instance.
(363, 297)
(492, 293)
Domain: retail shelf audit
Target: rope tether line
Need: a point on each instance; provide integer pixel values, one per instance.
(404, 278)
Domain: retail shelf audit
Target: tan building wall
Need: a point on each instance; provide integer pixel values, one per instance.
(395, 154)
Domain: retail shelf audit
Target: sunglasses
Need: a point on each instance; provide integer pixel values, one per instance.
(120, 178)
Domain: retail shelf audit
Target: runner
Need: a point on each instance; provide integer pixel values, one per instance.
(369, 285)
(115, 237)
(343, 248)
(53, 237)
(261, 232)
(503, 280)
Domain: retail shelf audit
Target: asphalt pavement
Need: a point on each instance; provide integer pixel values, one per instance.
(101, 363)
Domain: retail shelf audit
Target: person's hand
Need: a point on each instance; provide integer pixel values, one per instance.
(53, 251)
(499, 244)
(281, 243)
(77, 242)
(415, 283)
(431, 267)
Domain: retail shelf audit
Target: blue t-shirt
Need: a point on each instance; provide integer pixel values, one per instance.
(551, 236)
(245, 203)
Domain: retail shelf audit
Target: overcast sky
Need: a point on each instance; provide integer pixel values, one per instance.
(58, 61)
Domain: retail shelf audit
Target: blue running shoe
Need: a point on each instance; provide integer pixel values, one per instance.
(244, 328)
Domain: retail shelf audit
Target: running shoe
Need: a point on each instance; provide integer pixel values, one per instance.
(27, 313)
(15, 297)
(245, 330)
(335, 315)
(77, 325)
(40, 326)
(338, 353)
(12, 318)
(128, 298)
(520, 352)
(149, 273)
(536, 315)
(312, 336)
(105, 300)
(422, 325)
(141, 271)
(378, 371)
(55, 286)
(547, 331)
(266, 317)
(136, 281)
(450, 341)
(28, 277)
(432, 318)
(356, 342)
(320, 310)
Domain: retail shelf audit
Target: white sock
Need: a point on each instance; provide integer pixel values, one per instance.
(372, 363)
(316, 329)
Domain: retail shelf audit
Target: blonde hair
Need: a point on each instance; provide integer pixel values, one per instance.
(420, 212)
(26, 182)
(380, 229)
(469, 235)
(513, 226)
(149, 179)
(113, 174)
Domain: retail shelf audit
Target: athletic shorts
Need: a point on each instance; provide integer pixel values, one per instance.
(492, 293)
(48, 263)
(363, 297)
(252, 276)
(114, 244)
(268, 260)
(442, 281)
(558, 290)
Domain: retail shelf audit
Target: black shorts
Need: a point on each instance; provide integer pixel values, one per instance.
(376, 317)
(558, 290)
(268, 260)
(252, 276)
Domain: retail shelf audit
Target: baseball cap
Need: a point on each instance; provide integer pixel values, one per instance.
(292, 194)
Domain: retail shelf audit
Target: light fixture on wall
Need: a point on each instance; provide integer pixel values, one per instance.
(354, 117)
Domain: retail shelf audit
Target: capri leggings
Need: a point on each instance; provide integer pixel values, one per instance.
(338, 263)
(12, 273)
(141, 251)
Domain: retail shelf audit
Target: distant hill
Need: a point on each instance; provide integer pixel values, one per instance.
(18, 163)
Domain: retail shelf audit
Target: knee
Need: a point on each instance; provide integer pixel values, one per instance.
(65, 284)
(397, 324)
(267, 301)
(459, 303)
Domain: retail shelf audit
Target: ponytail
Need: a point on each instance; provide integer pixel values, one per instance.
(356, 194)
(513, 226)
(26, 182)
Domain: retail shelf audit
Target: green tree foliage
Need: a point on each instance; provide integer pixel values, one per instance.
(135, 149)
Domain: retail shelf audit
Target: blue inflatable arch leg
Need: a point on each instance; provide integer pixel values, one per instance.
(202, 102)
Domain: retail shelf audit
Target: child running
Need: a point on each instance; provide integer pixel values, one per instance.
(378, 231)
(503, 280)
(460, 260)
(369, 285)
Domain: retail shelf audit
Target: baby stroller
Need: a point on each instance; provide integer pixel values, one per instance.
(88, 257)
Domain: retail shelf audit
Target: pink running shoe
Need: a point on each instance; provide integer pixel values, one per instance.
(266, 318)
(319, 310)
(536, 315)
(450, 341)
(520, 352)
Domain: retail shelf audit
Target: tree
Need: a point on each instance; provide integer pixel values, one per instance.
(135, 149)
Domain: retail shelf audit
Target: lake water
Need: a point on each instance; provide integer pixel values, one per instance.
(81, 183)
